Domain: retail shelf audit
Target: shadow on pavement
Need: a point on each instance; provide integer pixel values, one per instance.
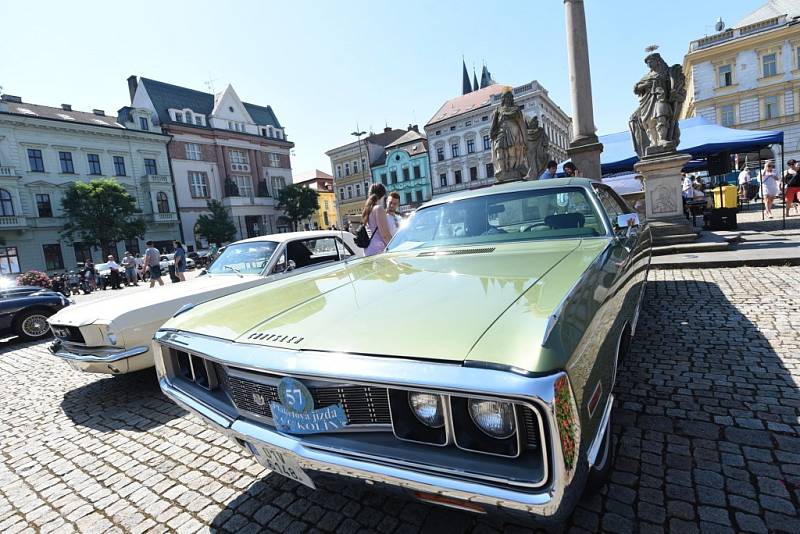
(705, 431)
(126, 402)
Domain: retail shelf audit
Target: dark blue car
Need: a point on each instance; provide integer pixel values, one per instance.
(24, 310)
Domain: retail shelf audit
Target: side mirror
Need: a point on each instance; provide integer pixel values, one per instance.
(627, 220)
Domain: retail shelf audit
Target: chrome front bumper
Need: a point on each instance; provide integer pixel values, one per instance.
(111, 360)
(554, 500)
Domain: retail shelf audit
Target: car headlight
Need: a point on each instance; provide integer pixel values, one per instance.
(495, 418)
(427, 408)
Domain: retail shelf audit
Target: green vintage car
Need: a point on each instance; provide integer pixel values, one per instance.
(471, 365)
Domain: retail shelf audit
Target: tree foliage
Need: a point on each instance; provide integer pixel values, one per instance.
(101, 212)
(216, 227)
(298, 202)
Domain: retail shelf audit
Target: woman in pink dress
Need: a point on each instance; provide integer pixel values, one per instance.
(374, 216)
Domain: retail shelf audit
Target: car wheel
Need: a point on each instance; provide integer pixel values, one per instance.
(32, 324)
(600, 471)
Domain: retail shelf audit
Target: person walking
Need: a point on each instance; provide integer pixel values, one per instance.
(769, 187)
(90, 275)
(113, 275)
(374, 218)
(792, 186)
(180, 261)
(129, 264)
(152, 265)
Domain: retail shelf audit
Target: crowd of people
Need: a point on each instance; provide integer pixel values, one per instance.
(132, 269)
(769, 186)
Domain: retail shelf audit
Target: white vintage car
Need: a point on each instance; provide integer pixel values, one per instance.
(114, 335)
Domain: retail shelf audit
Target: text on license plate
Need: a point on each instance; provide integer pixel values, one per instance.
(281, 463)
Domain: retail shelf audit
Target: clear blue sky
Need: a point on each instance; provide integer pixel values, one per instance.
(326, 66)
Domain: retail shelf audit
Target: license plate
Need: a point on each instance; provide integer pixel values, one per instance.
(281, 463)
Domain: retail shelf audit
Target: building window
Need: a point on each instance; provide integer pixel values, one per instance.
(440, 153)
(489, 170)
(355, 167)
(144, 124)
(6, 204)
(43, 205)
(198, 185)
(119, 166)
(406, 174)
(487, 142)
(35, 159)
(725, 76)
(452, 128)
(9, 261)
(417, 172)
(338, 171)
(393, 174)
(244, 184)
(341, 193)
(349, 191)
(189, 117)
(383, 179)
(179, 116)
(468, 123)
(94, 164)
(198, 120)
(419, 195)
(66, 162)
(150, 166)
(443, 179)
(769, 65)
(771, 107)
(347, 169)
(454, 150)
(470, 146)
(162, 202)
(473, 173)
(727, 117)
(485, 118)
(438, 132)
(193, 151)
(274, 160)
(83, 252)
(409, 200)
(237, 157)
(53, 261)
(457, 175)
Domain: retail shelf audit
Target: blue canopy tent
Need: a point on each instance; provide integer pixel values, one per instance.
(700, 138)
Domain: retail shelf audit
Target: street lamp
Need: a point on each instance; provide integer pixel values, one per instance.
(357, 134)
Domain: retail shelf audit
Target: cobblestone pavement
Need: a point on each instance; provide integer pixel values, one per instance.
(706, 435)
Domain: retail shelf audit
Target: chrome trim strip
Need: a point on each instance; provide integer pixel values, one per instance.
(208, 413)
(591, 454)
(98, 354)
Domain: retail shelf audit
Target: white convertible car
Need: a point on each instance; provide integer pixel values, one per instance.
(114, 335)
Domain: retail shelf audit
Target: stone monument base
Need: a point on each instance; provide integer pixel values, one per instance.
(662, 191)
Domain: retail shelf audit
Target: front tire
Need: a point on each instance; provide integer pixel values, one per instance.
(32, 325)
(601, 470)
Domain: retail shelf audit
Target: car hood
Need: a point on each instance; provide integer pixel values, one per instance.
(116, 306)
(418, 304)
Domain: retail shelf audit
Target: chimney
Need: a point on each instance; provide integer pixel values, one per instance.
(132, 86)
(66, 107)
(99, 112)
(11, 98)
(387, 129)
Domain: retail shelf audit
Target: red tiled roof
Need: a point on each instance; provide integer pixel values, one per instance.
(468, 102)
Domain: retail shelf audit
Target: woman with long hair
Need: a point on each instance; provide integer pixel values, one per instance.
(374, 217)
(769, 186)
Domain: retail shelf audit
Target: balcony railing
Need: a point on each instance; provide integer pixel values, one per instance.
(7, 171)
(12, 221)
(165, 217)
(155, 179)
(735, 33)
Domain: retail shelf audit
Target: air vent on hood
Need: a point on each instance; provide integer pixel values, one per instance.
(457, 252)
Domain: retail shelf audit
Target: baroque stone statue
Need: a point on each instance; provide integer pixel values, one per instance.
(509, 140)
(538, 149)
(661, 92)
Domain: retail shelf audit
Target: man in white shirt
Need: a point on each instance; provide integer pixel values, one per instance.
(114, 275)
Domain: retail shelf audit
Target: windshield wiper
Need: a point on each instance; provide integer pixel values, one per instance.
(234, 269)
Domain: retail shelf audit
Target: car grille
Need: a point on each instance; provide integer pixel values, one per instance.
(530, 439)
(68, 333)
(363, 405)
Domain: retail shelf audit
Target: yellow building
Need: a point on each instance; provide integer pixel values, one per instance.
(325, 216)
(748, 75)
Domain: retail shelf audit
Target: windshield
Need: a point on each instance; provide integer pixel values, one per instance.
(534, 214)
(244, 258)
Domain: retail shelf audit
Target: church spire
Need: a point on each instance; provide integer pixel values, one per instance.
(466, 86)
(486, 77)
(474, 80)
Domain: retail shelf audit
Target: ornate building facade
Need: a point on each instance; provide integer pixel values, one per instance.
(44, 149)
(458, 134)
(221, 148)
(748, 75)
(322, 182)
(405, 169)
